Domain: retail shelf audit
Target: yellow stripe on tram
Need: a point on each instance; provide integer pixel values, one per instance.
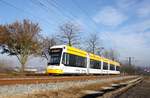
(55, 71)
(75, 51)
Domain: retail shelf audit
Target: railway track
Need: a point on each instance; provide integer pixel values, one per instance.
(48, 79)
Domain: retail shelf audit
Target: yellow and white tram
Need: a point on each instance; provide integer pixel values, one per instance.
(69, 60)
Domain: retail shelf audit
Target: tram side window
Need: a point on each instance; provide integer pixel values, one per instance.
(105, 66)
(73, 60)
(91, 63)
(80, 61)
(64, 58)
(95, 64)
(112, 67)
(117, 68)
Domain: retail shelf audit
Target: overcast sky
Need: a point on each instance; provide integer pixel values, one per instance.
(121, 24)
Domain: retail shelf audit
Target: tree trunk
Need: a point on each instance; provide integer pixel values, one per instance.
(70, 42)
(23, 61)
(22, 69)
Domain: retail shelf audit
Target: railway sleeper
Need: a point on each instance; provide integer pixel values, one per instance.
(113, 87)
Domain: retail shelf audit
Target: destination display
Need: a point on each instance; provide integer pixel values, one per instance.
(55, 50)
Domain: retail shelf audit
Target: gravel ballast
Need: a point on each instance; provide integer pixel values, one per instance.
(19, 89)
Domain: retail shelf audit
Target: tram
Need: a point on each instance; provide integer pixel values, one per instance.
(69, 60)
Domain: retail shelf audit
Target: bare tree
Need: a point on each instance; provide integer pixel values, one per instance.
(21, 39)
(69, 33)
(110, 54)
(93, 43)
(47, 43)
(4, 34)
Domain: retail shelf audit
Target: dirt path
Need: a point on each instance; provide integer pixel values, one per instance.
(141, 90)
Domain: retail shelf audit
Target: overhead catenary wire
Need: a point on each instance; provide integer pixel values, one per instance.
(24, 11)
(69, 15)
(56, 7)
(73, 17)
(106, 35)
(62, 10)
(45, 8)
